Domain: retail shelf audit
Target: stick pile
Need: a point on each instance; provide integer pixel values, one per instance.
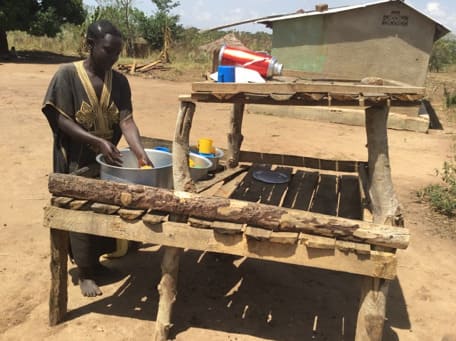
(156, 65)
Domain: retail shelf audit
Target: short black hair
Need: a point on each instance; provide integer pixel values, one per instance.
(98, 29)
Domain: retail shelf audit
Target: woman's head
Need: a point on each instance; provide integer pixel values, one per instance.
(104, 41)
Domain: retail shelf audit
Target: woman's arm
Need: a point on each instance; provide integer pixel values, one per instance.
(131, 133)
(100, 145)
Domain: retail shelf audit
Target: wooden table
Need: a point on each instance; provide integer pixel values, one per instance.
(335, 215)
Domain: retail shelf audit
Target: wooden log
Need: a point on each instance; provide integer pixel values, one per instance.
(183, 182)
(385, 205)
(371, 315)
(236, 211)
(235, 137)
(181, 170)
(168, 291)
(133, 68)
(58, 297)
(386, 210)
(148, 67)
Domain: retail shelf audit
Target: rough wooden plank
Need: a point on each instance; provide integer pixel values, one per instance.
(298, 161)
(284, 237)
(257, 233)
(183, 236)
(227, 228)
(79, 204)
(61, 201)
(58, 297)
(300, 190)
(227, 189)
(130, 214)
(217, 208)
(349, 197)
(345, 246)
(250, 189)
(325, 198)
(304, 87)
(199, 223)
(277, 190)
(98, 207)
(313, 99)
(155, 217)
(317, 242)
(226, 175)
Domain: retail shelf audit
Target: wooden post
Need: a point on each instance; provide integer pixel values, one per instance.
(235, 137)
(58, 297)
(168, 291)
(385, 207)
(181, 170)
(371, 314)
(182, 181)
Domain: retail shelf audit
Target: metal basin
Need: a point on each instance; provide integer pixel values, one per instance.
(213, 157)
(159, 176)
(200, 166)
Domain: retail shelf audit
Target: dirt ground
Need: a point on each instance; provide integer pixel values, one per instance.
(219, 299)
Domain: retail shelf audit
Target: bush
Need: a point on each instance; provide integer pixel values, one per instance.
(443, 197)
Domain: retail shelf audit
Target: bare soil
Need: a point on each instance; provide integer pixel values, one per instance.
(219, 298)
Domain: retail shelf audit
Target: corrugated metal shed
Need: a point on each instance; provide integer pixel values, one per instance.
(441, 30)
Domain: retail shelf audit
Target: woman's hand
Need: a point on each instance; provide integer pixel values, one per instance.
(110, 152)
(144, 160)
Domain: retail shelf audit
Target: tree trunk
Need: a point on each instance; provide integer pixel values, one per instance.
(385, 206)
(216, 208)
(235, 137)
(386, 210)
(4, 49)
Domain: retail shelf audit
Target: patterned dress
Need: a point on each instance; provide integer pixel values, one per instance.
(71, 93)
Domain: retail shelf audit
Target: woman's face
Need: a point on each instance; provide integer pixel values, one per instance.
(105, 51)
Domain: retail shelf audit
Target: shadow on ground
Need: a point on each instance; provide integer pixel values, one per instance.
(264, 299)
(38, 57)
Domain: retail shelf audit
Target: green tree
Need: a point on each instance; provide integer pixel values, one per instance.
(38, 17)
(162, 27)
(443, 54)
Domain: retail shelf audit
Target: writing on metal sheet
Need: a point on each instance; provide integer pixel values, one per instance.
(395, 19)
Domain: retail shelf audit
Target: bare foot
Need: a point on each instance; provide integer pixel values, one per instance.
(89, 288)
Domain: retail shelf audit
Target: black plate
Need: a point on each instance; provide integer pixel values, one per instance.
(271, 177)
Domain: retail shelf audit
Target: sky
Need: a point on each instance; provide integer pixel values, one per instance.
(205, 14)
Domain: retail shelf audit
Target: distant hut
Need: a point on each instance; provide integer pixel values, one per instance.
(229, 39)
(213, 47)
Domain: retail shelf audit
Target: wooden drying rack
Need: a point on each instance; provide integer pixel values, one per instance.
(356, 228)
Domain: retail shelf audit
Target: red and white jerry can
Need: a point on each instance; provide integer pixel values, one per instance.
(265, 64)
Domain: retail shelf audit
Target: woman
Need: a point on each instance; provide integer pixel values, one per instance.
(88, 106)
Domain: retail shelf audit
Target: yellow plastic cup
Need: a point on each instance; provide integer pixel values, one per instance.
(205, 146)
